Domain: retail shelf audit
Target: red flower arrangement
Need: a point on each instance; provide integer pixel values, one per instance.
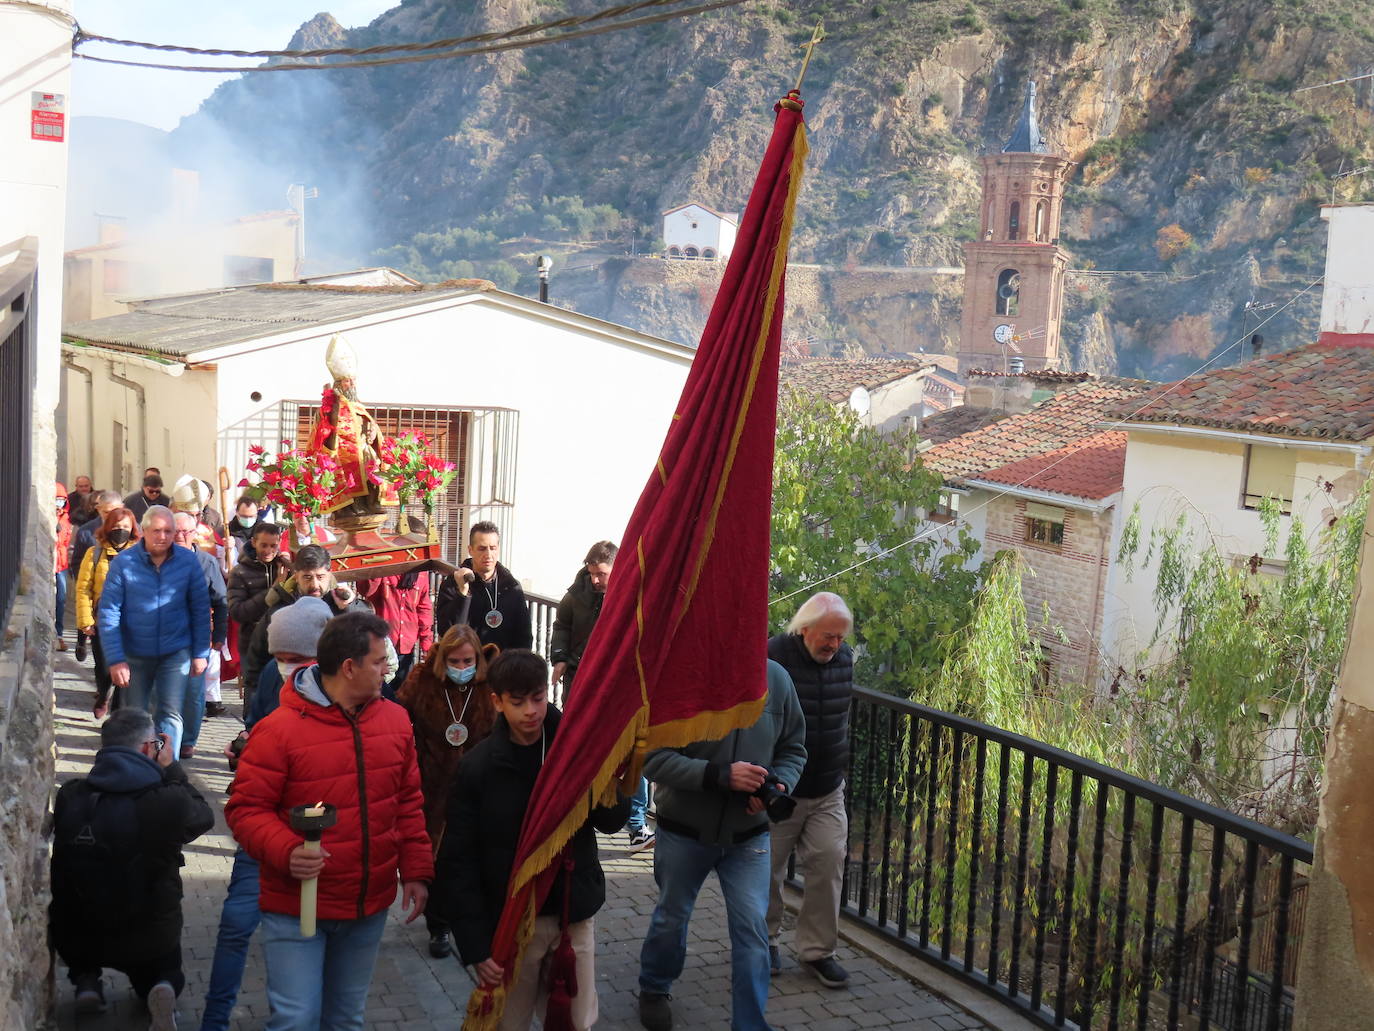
(293, 480)
(406, 465)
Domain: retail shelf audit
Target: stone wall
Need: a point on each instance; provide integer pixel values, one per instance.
(26, 762)
(1070, 580)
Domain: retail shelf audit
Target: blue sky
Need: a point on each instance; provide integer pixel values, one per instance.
(161, 98)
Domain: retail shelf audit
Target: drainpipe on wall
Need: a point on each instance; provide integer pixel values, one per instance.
(137, 388)
(90, 412)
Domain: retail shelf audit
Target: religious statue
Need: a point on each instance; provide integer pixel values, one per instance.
(349, 434)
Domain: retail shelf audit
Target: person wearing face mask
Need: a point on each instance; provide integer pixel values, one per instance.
(247, 518)
(117, 533)
(62, 544)
(293, 641)
(450, 708)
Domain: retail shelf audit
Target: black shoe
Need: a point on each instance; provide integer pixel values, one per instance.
(80, 648)
(213, 709)
(439, 945)
(774, 960)
(828, 972)
(654, 1012)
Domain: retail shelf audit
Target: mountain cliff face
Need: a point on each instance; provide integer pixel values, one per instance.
(1197, 160)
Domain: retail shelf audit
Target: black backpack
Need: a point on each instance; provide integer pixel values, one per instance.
(100, 876)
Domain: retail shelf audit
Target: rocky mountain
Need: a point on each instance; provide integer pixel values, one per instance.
(1199, 164)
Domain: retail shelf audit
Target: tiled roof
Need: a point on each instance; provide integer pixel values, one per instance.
(1091, 469)
(1042, 376)
(1066, 421)
(956, 422)
(1324, 390)
(835, 378)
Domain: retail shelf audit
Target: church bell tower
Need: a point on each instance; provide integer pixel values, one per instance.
(1014, 271)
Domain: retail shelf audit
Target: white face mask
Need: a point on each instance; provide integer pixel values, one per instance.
(287, 668)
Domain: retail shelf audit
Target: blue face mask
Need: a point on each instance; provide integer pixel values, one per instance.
(461, 676)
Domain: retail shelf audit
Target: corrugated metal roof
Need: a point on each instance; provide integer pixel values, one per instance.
(185, 325)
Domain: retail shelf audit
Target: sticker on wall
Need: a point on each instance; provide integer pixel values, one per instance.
(49, 118)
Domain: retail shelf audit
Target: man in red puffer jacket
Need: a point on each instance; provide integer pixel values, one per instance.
(332, 739)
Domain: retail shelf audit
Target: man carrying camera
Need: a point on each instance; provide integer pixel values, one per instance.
(715, 800)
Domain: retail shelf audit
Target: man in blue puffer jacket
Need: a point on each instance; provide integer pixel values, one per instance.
(154, 621)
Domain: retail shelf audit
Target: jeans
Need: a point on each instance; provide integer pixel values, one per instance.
(680, 868)
(157, 683)
(639, 805)
(319, 983)
(193, 705)
(60, 612)
(237, 921)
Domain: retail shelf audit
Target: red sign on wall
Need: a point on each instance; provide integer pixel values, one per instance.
(49, 118)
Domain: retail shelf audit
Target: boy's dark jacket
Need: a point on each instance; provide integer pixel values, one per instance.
(486, 808)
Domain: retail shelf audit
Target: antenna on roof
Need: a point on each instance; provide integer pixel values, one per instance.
(1255, 308)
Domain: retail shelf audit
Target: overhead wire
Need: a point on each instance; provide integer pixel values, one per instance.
(569, 21)
(1154, 397)
(443, 55)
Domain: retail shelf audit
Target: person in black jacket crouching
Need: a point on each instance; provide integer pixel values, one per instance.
(116, 866)
(486, 808)
(814, 652)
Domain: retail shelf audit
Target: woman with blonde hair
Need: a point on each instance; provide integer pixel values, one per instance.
(450, 708)
(118, 532)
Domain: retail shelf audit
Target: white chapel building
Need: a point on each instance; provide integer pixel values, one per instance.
(694, 232)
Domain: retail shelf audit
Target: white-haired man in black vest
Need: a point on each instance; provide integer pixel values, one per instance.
(813, 650)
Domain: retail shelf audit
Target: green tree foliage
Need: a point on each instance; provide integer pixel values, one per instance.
(844, 493)
(1238, 710)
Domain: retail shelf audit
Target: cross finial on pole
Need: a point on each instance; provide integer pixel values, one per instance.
(817, 37)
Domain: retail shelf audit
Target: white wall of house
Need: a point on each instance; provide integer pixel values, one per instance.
(125, 413)
(594, 407)
(1169, 475)
(695, 226)
(893, 405)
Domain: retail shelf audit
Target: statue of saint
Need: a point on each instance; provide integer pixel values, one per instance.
(348, 433)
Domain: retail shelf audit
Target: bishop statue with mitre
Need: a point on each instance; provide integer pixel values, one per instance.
(348, 433)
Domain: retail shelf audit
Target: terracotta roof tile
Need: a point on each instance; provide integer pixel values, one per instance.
(1067, 421)
(835, 378)
(1324, 390)
(956, 422)
(1091, 469)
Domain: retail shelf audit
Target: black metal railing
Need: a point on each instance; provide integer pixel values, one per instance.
(1074, 893)
(542, 611)
(18, 367)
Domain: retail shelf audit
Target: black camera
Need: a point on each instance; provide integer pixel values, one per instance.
(778, 804)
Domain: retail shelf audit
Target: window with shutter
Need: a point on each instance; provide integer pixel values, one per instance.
(1269, 473)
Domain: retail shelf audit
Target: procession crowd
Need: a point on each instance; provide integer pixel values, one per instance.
(394, 728)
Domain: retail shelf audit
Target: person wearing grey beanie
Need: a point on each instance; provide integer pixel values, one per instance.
(296, 629)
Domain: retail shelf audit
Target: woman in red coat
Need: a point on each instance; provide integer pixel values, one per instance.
(447, 691)
(62, 558)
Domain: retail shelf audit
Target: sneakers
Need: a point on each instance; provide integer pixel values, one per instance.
(828, 972)
(654, 1012)
(641, 839)
(439, 945)
(774, 960)
(90, 994)
(162, 1007)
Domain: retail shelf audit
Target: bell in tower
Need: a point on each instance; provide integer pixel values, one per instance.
(1014, 271)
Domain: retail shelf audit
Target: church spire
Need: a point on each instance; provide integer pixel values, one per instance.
(1026, 138)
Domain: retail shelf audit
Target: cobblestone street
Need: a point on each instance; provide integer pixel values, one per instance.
(412, 990)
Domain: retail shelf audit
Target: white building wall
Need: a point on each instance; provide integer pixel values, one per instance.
(893, 405)
(593, 411)
(1348, 290)
(1171, 475)
(694, 226)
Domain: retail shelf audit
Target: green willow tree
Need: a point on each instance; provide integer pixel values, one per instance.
(844, 494)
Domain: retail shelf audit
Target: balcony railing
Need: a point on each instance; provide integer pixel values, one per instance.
(1074, 893)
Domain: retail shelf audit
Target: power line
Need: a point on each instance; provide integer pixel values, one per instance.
(413, 58)
(928, 531)
(570, 21)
